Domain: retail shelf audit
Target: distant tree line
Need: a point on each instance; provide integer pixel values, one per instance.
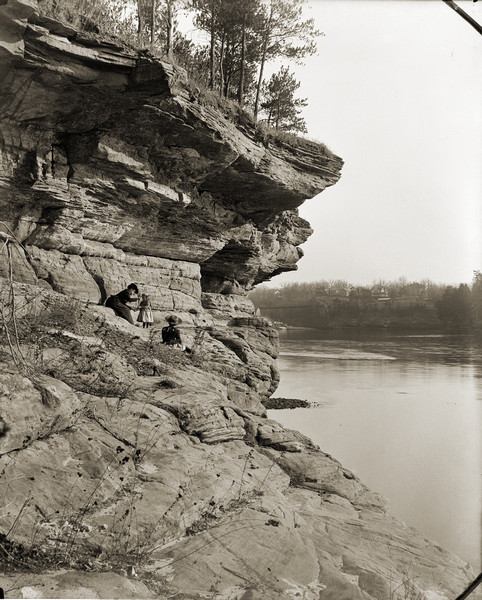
(242, 38)
(462, 306)
(401, 303)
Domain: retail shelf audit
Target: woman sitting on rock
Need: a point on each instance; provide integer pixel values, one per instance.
(171, 336)
(119, 301)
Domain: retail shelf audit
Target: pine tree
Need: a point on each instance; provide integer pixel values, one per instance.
(280, 105)
(284, 34)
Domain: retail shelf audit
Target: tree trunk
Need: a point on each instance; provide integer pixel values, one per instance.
(227, 72)
(227, 83)
(169, 28)
(226, 86)
(153, 20)
(270, 114)
(263, 60)
(243, 59)
(140, 23)
(260, 81)
(221, 65)
(211, 49)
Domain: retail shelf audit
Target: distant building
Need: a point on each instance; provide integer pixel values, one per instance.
(379, 292)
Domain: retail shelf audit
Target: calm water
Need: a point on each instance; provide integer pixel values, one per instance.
(403, 412)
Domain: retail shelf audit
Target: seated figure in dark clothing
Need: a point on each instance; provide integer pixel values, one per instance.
(171, 336)
(119, 301)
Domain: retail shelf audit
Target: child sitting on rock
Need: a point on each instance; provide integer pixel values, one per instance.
(171, 336)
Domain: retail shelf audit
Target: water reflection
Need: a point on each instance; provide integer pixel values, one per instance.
(402, 412)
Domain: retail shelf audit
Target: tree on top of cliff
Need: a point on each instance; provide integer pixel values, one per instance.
(280, 105)
(171, 7)
(284, 34)
(245, 35)
(247, 16)
(156, 21)
(231, 27)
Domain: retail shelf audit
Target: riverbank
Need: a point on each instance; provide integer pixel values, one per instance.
(375, 392)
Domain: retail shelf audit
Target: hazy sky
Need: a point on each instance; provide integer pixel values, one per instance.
(395, 90)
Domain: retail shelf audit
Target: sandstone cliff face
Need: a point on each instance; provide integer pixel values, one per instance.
(108, 159)
(111, 171)
(130, 471)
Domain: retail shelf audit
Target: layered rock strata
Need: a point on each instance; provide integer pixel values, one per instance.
(107, 159)
(127, 470)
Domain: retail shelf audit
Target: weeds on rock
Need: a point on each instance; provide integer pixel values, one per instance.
(407, 589)
(131, 547)
(18, 557)
(49, 334)
(59, 336)
(204, 522)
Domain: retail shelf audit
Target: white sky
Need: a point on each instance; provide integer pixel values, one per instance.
(396, 91)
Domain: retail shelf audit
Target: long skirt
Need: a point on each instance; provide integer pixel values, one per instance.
(121, 310)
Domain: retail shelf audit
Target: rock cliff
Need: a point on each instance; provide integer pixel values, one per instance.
(132, 471)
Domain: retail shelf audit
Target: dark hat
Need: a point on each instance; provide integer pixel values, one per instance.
(173, 320)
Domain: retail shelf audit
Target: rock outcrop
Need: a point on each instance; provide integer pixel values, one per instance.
(130, 470)
(111, 170)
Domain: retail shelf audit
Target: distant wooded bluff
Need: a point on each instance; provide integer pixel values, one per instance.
(323, 304)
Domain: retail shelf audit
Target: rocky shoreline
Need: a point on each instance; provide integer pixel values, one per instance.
(282, 403)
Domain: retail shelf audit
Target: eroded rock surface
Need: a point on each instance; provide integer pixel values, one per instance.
(199, 496)
(132, 471)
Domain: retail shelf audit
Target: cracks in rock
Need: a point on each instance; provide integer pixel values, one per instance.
(233, 345)
(236, 574)
(263, 580)
(19, 96)
(91, 415)
(99, 280)
(172, 116)
(29, 441)
(177, 413)
(50, 280)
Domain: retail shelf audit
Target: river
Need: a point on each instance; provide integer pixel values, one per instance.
(402, 410)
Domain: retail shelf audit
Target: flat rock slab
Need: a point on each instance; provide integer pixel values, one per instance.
(74, 584)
